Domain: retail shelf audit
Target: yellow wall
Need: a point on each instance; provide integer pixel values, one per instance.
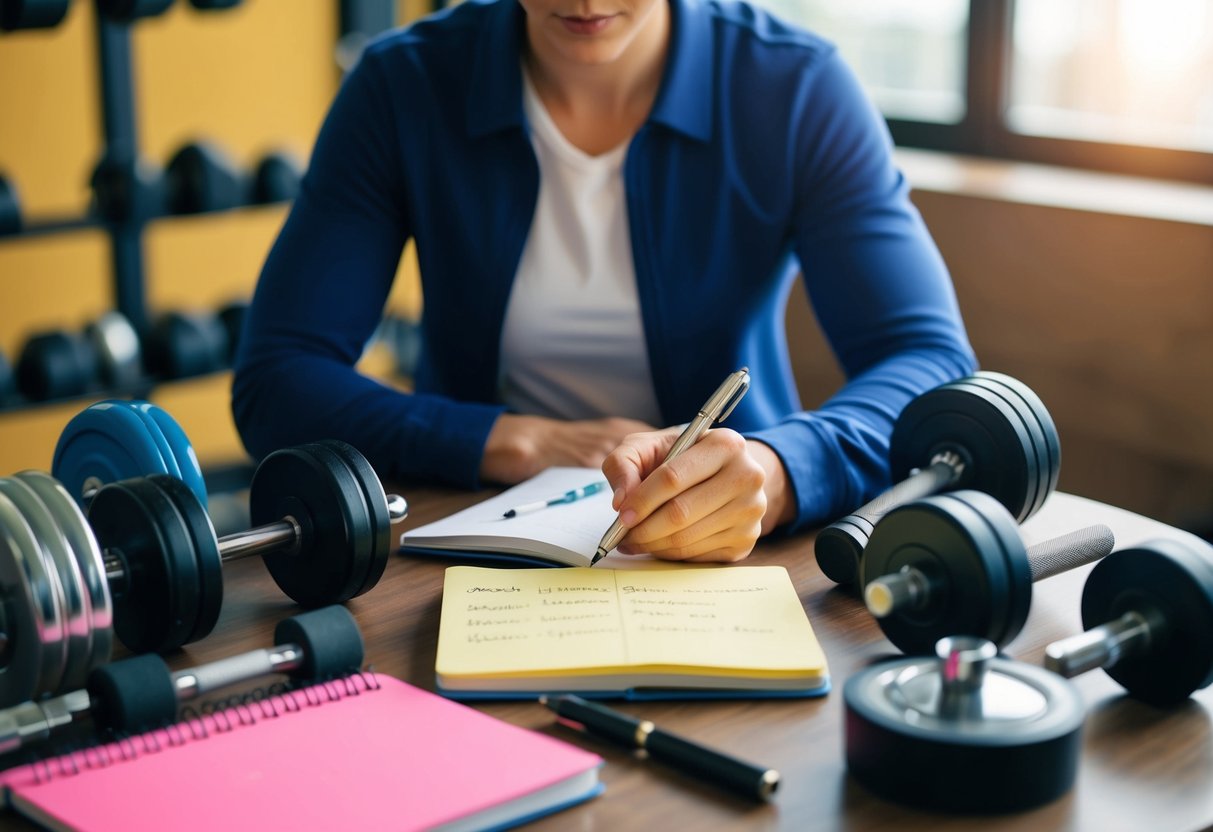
(255, 78)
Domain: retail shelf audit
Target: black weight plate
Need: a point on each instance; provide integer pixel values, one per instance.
(205, 546)
(1040, 482)
(32, 617)
(969, 549)
(1034, 408)
(8, 385)
(128, 10)
(276, 179)
(10, 205)
(232, 317)
(325, 502)
(158, 605)
(360, 551)
(376, 501)
(87, 553)
(56, 365)
(999, 460)
(201, 177)
(839, 548)
(65, 576)
(31, 14)
(186, 344)
(1170, 580)
(1030, 447)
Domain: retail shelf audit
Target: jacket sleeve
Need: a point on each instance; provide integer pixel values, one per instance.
(319, 298)
(879, 289)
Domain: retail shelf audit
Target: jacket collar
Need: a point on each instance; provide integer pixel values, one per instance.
(684, 101)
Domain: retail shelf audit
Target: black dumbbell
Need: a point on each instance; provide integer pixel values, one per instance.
(127, 189)
(8, 385)
(124, 11)
(201, 177)
(185, 344)
(987, 432)
(231, 316)
(31, 14)
(10, 208)
(58, 364)
(1148, 615)
(141, 692)
(954, 564)
(215, 5)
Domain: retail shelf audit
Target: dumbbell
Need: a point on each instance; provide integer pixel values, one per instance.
(141, 692)
(58, 364)
(1148, 615)
(954, 564)
(231, 316)
(31, 14)
(185, 344)
(146, 565)
(8, 386)
(201, 177)
(987, 432)
(10, 207)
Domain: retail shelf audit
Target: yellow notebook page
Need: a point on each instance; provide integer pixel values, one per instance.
(736, 621)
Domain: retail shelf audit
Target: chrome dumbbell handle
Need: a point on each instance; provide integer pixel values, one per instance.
(1101, 646)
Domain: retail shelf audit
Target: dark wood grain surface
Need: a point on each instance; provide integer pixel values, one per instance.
(1141, 768)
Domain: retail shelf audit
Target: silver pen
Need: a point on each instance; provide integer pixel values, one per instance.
(715, 409)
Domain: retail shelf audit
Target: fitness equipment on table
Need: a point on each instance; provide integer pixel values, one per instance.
(31, 14)
(58, 364)
(1148, 616)
(116, 440)
(141, 692)
(10, 207)
(963, 731)
(954, 564)
(987, 432)
(147, 566)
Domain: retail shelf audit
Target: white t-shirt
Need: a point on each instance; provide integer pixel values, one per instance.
(572, 344)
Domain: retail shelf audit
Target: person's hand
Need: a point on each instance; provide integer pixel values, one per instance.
(710, 503)
(519, 447)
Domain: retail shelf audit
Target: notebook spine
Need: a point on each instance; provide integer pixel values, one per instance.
(194, 724)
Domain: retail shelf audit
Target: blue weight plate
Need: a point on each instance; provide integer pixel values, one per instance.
(157, 435)
(104, 443)
(181, 450)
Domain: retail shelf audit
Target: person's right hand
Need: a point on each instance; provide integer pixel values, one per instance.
(519, 447)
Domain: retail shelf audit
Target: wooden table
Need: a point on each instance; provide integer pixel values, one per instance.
(1141, 768)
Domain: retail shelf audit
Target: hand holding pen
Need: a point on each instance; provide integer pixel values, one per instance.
(704, 505)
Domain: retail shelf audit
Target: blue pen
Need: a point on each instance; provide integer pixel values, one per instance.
(559, 499)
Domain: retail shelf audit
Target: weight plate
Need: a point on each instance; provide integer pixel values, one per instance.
(363, 541)
(75, 528)
(979, 426)
(33, 620)
(64, 573)
(376, 501)
(1168, 582)
(180, 450)
(117, 346)
(156, 606)
(1028, 454)
(157, 435)
(106, 442)
(205, 547)
(1038, 486)
(335, 526)
(970, 551)
(10, 204)
(1035, 409)
(56, 365)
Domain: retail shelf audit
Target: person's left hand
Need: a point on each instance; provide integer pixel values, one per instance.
(710, 503)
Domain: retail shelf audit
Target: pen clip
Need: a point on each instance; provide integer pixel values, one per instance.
(727, 396)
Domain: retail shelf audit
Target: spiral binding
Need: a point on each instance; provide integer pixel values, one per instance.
(218, 716)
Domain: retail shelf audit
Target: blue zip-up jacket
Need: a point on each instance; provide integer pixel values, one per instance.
(761, 159)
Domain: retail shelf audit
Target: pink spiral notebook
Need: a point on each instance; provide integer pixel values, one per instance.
(364, 752)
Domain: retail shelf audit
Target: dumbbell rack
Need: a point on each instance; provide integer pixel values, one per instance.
(130, 204)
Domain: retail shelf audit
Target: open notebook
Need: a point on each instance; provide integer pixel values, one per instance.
(684, 632)
(366, 752)
(565, 534)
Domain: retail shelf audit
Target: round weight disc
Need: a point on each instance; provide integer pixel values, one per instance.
(180, 450)
(336, 527)
(331, 641)
(117, 347)
(992, 763)
(1034, 411)
(157, 436)
(1168, 581)
(376, 501)
(157, 607)
(205, 546)
(999, 459)
(106, 442)
(84, 547)
(65, 575)
(33, 620)
(360, 557)
(969, 549)
(1030, 444)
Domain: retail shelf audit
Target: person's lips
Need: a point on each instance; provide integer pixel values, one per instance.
(588, 25)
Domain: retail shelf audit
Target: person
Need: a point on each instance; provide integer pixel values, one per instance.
(610, 201)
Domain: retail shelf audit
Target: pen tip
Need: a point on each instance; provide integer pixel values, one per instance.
(509, 513)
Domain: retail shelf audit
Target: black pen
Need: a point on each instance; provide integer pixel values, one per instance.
(742, 777)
